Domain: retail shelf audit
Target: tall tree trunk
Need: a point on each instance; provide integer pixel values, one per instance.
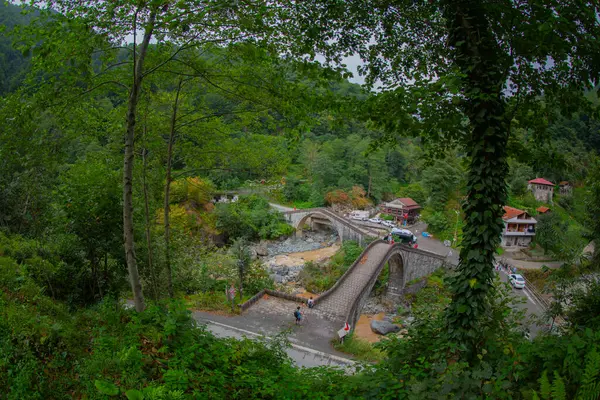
(147, 218)
(484, 65)
(134, 95)
(168, 191)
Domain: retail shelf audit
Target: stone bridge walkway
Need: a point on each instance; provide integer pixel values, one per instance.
(337, 305)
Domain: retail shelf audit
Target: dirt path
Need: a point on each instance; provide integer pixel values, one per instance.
(294, 259)
(363, 327)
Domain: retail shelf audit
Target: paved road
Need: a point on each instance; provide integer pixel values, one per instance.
(271, 316)
(301, 356)
(279, 207)
(533, 310)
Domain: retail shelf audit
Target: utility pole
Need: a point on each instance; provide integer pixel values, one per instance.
(455, 229)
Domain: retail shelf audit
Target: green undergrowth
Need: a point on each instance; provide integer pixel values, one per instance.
(317, 279)
(105, 351)
(432, 299)
(214, 301)
(361, 349)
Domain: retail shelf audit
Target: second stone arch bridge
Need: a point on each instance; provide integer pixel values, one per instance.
(323, 216)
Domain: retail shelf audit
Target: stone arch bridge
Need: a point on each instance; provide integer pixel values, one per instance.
(323, 216)
(344, 301)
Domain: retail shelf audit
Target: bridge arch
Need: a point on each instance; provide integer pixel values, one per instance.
(345, 229)
(332, 223)
(396, 267)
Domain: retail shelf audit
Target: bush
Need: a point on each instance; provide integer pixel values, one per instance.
(193, 189)
(251, 218)
(565, 202)
(415, 191)
(437, 222)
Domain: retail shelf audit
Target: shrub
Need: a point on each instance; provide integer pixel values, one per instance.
(437, 222)
(415, 191)
(251, 218)
(565, 202)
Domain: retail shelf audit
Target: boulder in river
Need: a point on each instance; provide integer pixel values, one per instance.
(383, 327)
(262, 250)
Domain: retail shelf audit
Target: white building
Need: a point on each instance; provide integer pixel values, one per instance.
(519, 228)
(542, 189)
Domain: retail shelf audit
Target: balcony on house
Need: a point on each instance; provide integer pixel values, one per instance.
(519, 230)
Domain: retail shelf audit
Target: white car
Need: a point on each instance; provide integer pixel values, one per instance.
(358, 218)
(389, 224)
(517, 281)
(375, 220)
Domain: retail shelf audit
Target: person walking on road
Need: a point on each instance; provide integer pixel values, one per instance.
(298, 315)
(310, 303)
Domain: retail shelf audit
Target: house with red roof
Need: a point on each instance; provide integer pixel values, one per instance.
(519, 228)
(402, 208)
(542, 189)
(542, 210)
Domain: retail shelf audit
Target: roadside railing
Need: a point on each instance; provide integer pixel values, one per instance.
(538, 295)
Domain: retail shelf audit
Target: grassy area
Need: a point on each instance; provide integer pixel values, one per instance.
(317, 279)
(213, 301)
(360, 348)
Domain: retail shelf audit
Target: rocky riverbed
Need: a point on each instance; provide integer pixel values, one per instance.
(285, 259)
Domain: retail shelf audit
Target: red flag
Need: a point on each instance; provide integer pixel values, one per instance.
(347, 327)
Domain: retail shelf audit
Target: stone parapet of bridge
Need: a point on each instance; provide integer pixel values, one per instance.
(346, 230)
(346, 299)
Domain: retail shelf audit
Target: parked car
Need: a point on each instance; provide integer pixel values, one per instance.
(517, 281)
(402, 237)
(389, 224)
(375, 220)
(358, 218)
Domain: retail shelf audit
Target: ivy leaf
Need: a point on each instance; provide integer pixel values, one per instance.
(472, 282)
(107, 388)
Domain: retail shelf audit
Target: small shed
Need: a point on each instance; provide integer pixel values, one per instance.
(565, 188)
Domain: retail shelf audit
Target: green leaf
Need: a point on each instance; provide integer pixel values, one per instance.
(107, 388)
(133, 394)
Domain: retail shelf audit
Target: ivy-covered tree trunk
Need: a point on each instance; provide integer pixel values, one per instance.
(483, 66)
(168, 191)
(134, 95)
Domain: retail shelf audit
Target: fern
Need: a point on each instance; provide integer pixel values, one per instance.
(558, 388)
(545, 386)
(590, 383)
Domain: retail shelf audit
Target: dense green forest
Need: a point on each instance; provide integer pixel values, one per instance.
(122, 120)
